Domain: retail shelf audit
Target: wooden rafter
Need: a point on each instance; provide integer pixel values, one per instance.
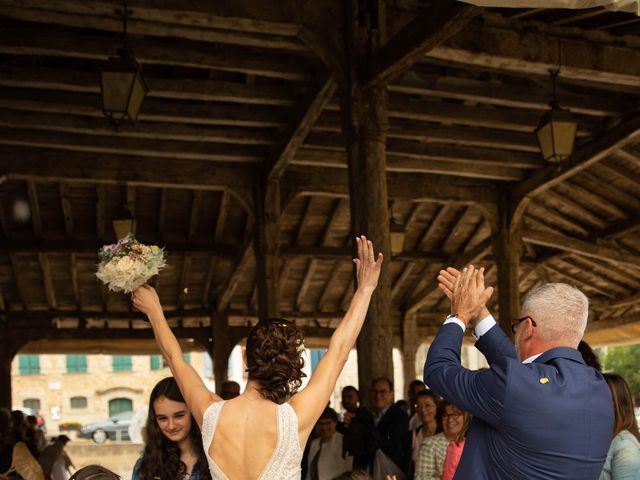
(221, 218)
(431, 27)
(300, 128)
(49, 290)
(67, 211)
(184, 281)
(73, 266)
(194, 215)
(101, 216)
(235, 278)
(601, 251)
(533, 52)
(113, 169)
(34, 203)
(206, 289)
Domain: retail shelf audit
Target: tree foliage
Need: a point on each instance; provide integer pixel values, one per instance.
(625, 361)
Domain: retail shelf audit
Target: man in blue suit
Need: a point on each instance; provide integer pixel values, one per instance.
(539, 411)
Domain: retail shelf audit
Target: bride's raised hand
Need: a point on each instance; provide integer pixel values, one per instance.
(146, 300)
(367, 265)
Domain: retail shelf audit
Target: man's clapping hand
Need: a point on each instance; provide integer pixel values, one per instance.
(467, 292)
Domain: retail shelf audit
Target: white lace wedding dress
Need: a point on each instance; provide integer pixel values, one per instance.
(287, 456)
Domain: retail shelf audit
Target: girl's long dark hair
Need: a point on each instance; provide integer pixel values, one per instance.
(623, 408)
(161, 457)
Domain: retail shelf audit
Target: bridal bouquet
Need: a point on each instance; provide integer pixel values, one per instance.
(128, 264)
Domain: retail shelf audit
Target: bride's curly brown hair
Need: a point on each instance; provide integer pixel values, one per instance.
(274, 358)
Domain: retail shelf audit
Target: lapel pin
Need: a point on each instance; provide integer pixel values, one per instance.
(544, 380)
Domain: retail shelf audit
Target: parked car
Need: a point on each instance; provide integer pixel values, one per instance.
(116, 428)
(30, 411)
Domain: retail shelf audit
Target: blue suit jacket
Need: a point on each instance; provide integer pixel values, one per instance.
(524, 427)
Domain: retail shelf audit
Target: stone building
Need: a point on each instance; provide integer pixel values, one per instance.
(90, 388)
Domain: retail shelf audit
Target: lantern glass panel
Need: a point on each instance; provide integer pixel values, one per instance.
(116, 87)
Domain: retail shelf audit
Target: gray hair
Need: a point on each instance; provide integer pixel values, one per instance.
(559, 310)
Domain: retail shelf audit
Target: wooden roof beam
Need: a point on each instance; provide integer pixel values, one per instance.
(431, 27)
(530, 52)
(66, 246)
(234, 279)
(152, 51)
(588, 154)
(34, 203)
(51, 165)
(300, 128)
(49, 290)
(609, 253)
(67, 211)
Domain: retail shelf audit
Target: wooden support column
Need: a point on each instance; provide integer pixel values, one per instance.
(365, 124)
(265, 246)
(410, 343)
(507, 248)
(220, 348)
(6, 355)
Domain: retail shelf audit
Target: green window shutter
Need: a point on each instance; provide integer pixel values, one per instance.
(29, 364)
(76, 363)
(122, 363)
(156, 362)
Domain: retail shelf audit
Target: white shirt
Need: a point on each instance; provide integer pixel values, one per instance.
(483, 326)
(331, 463)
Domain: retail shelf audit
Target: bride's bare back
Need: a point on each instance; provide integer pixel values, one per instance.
(246, 436)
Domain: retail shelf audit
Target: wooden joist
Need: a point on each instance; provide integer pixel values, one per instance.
(530, 52)
(300, 128)
(431, 27)
(601, 250)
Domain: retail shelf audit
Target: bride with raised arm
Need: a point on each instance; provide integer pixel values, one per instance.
(259, 434)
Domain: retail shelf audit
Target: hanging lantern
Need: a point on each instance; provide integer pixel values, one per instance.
(121, 84)
(556, 132)
(123, 88)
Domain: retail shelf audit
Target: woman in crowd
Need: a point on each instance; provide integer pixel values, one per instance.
(173, 449)
(426, 408)
(447, 444)
(259, 433)
(623, 458)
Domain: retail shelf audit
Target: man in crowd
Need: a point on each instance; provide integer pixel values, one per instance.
(391, 427)
(539, 411)
(326, 459)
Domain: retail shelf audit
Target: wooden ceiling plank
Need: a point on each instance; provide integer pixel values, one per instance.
(154, 109)
(576, 246)
(403, 277)
(204, 90)
(73, 266)
(184, 282)
(622, 280)
(194, 214)
(534, 52)
(306, 283)
(558, 201)
(67, 210)
(221, 218)
(76, 124)
(49, 290)
(562, 272)
(169, 149)
(206, 289)
(34, 203)
(101, 215)
(51, 165)
(15, 270)
(433, 225)
(162, 212)
(503, 95)
(142, 27)
(156, 51)
(235, 278)
(593, 198)
(300, 128)
(329, 282)
(431, 27)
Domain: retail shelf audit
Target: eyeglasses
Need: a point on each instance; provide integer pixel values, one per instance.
(518, 321)
(451, 415)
